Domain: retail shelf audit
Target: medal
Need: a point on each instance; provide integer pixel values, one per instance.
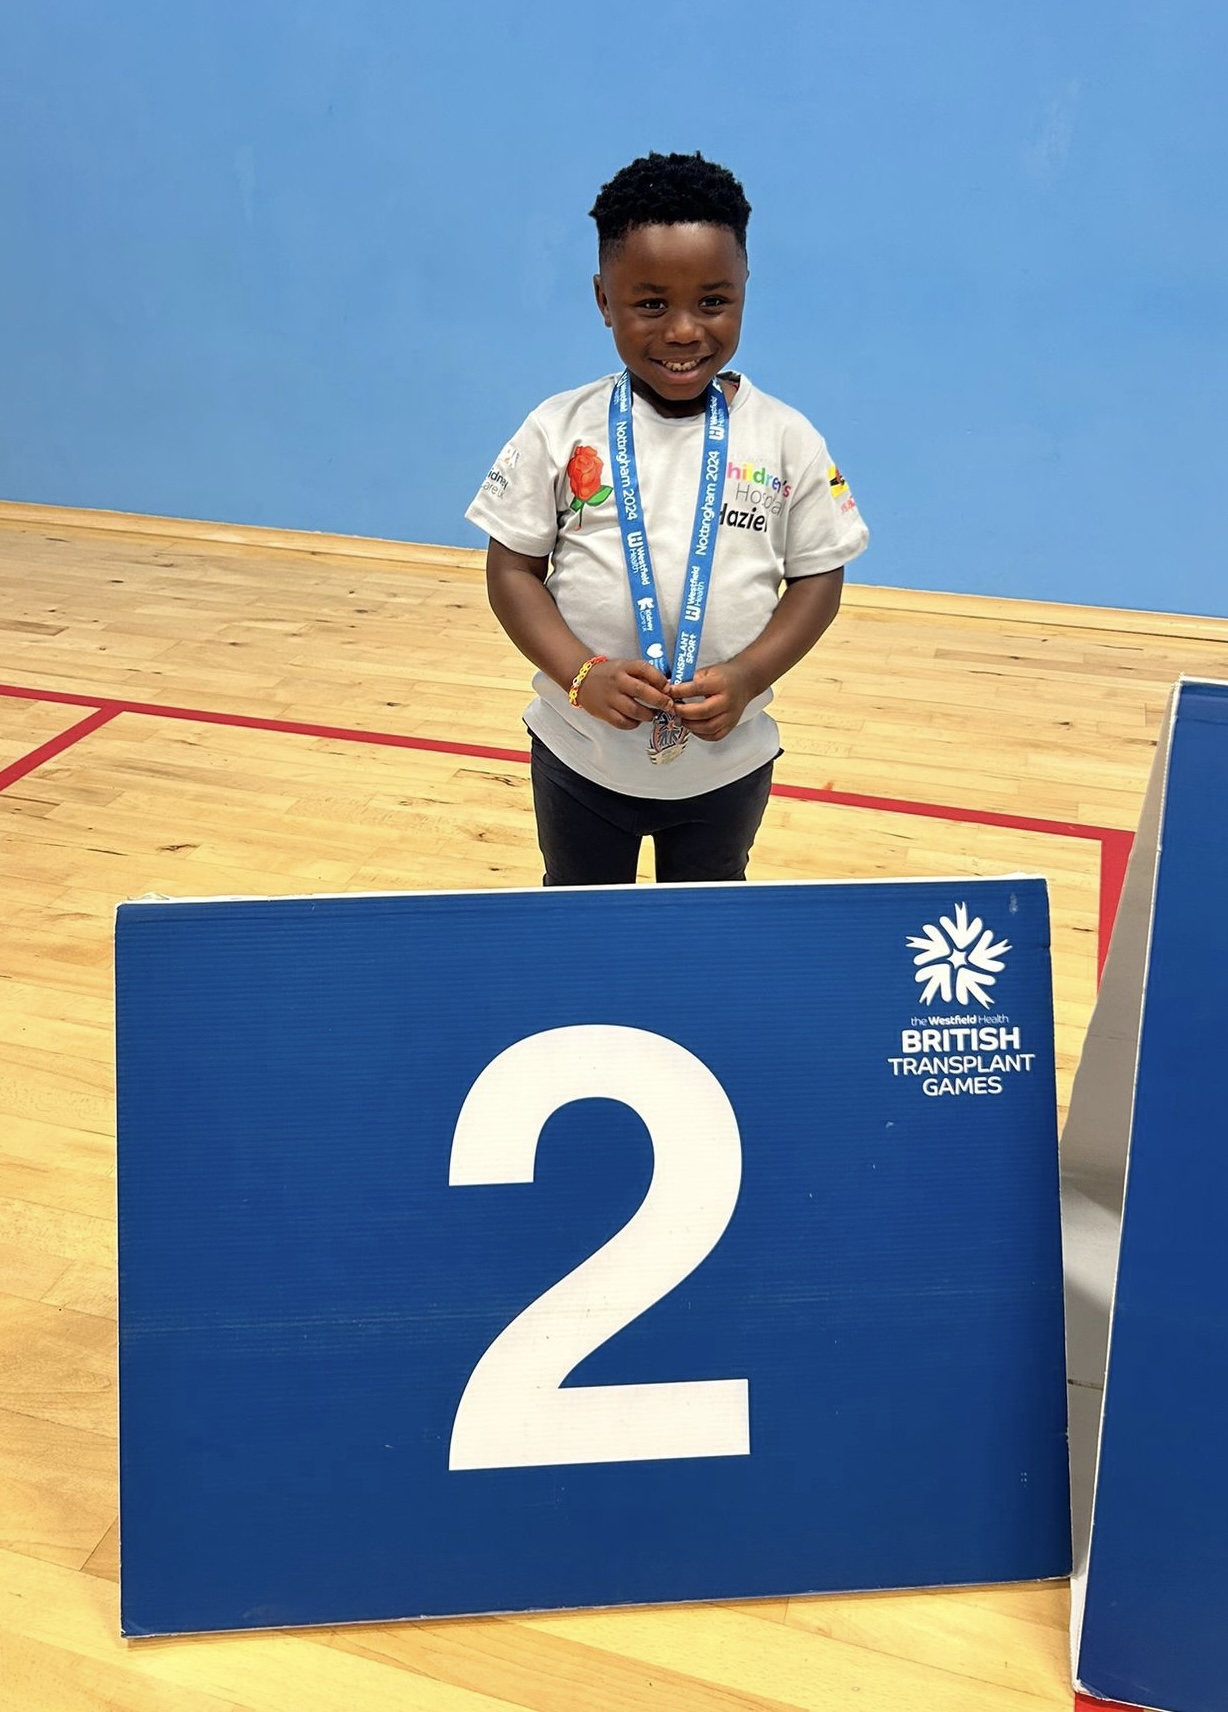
(667, 736)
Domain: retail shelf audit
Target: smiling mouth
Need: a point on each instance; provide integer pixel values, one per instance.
(681, 368)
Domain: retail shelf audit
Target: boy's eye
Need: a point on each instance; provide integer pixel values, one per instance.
(657, 305)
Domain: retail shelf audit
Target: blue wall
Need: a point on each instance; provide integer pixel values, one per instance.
(308, 264)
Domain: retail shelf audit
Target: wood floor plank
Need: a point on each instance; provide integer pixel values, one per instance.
(26, 1272)
(47, 1604)
(57, 1485)
(103, 1561)
(54, 1088)
(1043, 1602)
(58, 1365)
(87, 1288)
(797, 1666)
(545, 1671)
(26, 726)
(40, 1676)
(54, 1231)
(946, 1632)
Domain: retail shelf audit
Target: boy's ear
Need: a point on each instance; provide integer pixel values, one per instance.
(603, 302)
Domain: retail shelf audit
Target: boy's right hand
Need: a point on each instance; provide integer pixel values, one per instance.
(625, 693)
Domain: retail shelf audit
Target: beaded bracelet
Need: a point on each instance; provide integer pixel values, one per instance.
(573, 694)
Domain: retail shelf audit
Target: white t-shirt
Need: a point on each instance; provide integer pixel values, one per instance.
(786, 512)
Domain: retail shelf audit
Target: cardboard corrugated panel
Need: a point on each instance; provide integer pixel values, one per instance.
(1145, 1186)
(500, 1251)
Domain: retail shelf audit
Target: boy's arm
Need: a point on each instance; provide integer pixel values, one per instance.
(625, 693)
(802, 614)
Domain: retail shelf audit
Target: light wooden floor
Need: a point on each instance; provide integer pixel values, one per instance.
(1037, 714)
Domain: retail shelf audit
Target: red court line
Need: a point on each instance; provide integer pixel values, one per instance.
(944, 811)
(56, 745)
(1115, 848)
(286, 727)
(1114, 842)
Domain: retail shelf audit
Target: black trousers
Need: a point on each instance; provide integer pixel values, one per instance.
(591, 836)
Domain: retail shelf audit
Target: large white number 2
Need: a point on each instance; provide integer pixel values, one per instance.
(513, 1413)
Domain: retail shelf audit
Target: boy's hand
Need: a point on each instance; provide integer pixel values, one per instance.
(711, 703)
(625, 693)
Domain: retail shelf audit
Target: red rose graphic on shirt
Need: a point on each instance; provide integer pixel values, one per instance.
(584, 475)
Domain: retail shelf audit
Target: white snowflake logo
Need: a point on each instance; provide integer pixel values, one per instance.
(959, 960)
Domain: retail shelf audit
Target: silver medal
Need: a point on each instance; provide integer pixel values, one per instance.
(667, 738)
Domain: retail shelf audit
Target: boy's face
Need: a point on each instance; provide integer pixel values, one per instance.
(673, 296)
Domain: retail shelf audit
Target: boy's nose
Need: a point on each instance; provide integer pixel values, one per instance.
(683, 329)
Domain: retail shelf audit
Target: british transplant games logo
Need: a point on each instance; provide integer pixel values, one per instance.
(957, 961)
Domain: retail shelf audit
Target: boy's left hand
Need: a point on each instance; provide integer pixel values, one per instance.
(711, 703)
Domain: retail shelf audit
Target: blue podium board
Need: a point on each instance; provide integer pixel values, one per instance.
(505, 1251)
(1146, 1148)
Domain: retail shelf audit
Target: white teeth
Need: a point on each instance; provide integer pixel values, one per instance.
(681, 368)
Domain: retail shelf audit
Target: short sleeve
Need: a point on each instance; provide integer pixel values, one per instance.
(825, 529)
(516, 502)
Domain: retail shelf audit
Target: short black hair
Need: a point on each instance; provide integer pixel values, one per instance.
(669, 190)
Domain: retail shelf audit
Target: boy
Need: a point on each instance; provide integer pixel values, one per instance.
(640, 530)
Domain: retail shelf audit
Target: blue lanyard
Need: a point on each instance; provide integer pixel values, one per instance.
(645, 602)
